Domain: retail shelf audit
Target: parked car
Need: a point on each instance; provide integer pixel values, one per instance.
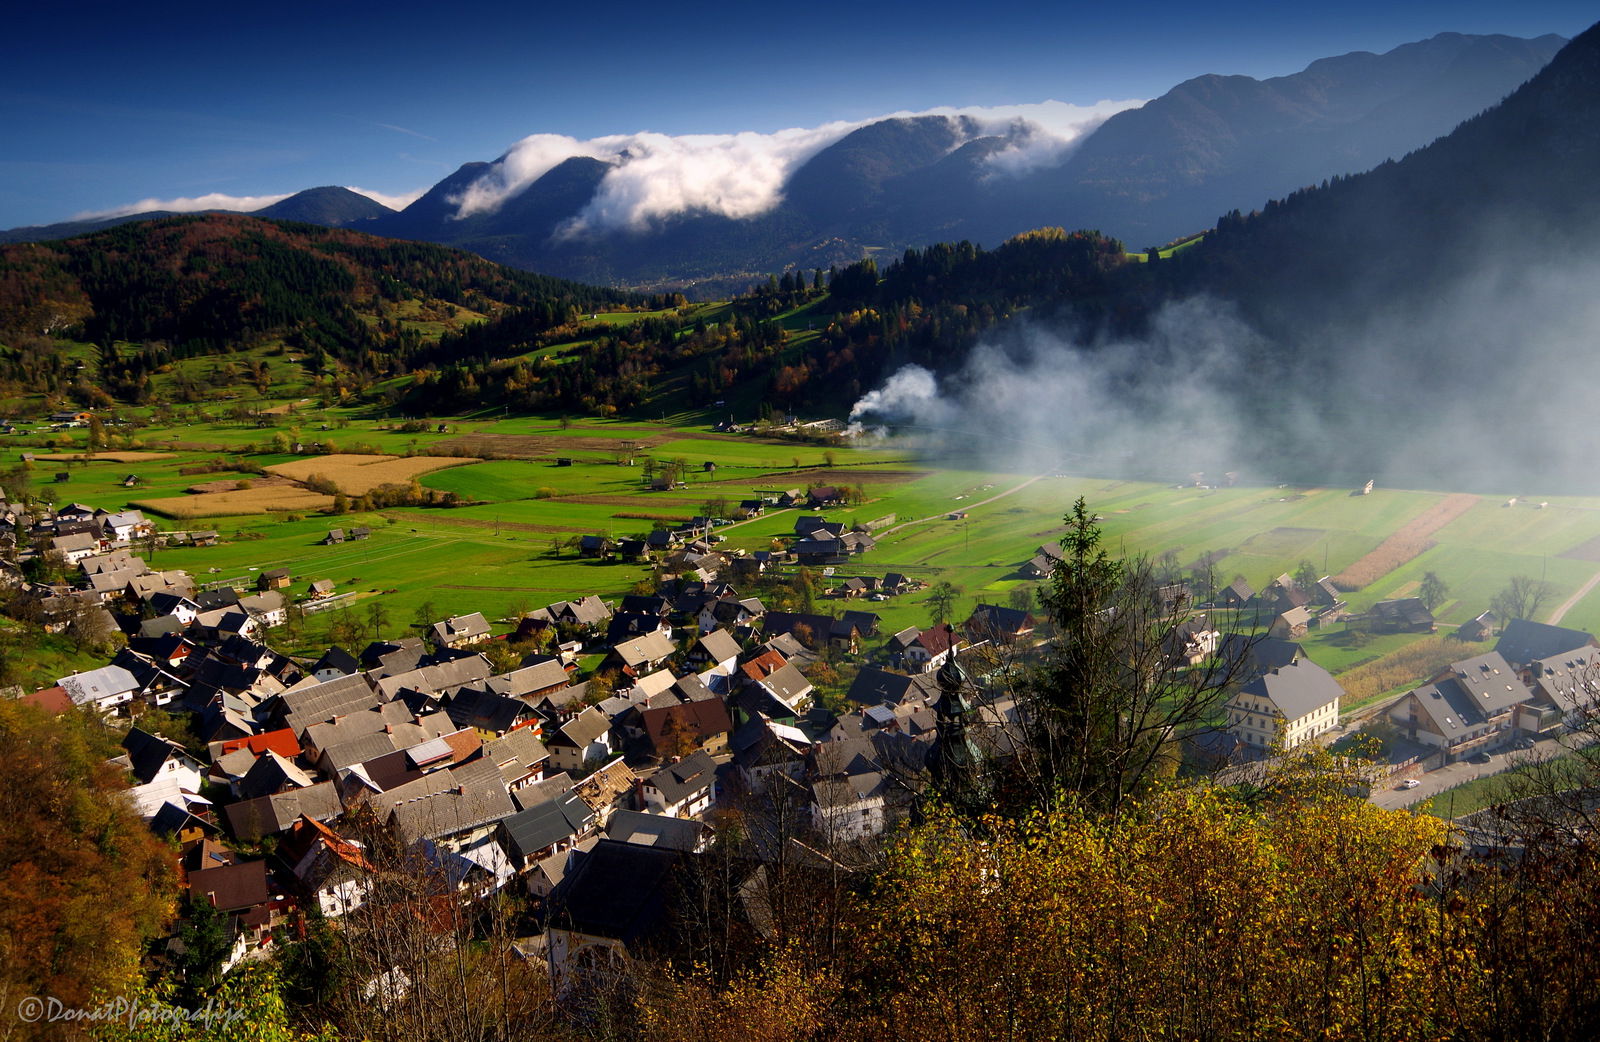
(1409, 783)
(1480, 758)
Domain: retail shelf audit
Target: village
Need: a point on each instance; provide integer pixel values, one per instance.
(492, 763)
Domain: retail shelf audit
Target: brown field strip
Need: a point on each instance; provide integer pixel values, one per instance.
(1409, 542)
(356, 475)
(232, 484)
(241, 501)
(114, 457)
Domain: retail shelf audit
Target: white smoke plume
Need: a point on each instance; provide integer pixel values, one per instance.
(1486, 385)
(742, 175)
(1045, 401)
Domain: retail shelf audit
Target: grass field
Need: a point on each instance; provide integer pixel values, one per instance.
(505, 548)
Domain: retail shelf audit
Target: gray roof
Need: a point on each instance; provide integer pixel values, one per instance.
(875, 686)
(475, 796)
(547, 823)
(461, 627)
(690, 775)
(95, 684)
(1490, 680)
(1523, 641)
(788, 685)
(655, 830)
(540, 676)
(1570, 680)
(651, 647)
(434, 679)
(1297, 689)
(582, 729)
(719, 645)
(313, 703)
(252, 819)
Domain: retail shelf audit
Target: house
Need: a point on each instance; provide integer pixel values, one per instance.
(677, 730)
(319, 589)
(824, 496)
(334, 871)
(1039, 566)
(104, 689)
(1285, 706)
(787, 690)
(930, 648)
(714, 652)
(851, 807)
(156, 761)
(584, 738)
(1246, 656)
(126, 526)
(1481, 627)
(596, 546)
(1402, 615)
(1236, 594)
(251, 820)
(545, 829)
(1291, 625)
(1192, 641)
(614, 902)
(683, 789)
(520, 756)
(999, 625)
(642, 654)
(873, 687)
(1564, 690)
(76, 547)
(273, 579)
(1523, 641)
(266, 608)
(459, 631)
(334, 537)
(657, 830)
(1466, 707)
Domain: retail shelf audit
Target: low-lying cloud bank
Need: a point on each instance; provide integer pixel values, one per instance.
(188, 204)
(235, 203)
(743, 175)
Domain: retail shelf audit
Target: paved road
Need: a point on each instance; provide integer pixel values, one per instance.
(1436, 782)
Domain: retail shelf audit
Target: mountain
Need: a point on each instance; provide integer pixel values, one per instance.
(1146, 175)
(1432, 320)
(1216, 143)
(329, 206)
(220, 283)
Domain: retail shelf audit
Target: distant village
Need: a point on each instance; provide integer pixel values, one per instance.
(581, 790)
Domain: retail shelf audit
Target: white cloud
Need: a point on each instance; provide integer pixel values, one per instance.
(393, 202)
(742, 175)
(190, 204)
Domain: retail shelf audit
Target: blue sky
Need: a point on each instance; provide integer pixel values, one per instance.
(102, 107)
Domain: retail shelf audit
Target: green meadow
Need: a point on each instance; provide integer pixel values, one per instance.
(507, 548)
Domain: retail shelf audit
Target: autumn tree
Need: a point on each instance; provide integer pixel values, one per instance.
(84, 884)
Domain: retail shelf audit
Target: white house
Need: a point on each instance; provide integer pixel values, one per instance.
(1285, 706)
(104, 689)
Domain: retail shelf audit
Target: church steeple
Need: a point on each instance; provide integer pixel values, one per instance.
(954, 761)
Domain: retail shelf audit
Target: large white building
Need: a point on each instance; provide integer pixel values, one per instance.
(1285, 706)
